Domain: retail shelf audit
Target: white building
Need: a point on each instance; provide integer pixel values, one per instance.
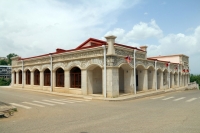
(100, 67)
(5, 71)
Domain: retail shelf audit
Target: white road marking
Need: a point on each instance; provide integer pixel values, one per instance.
(157, 97)
(179, 99)
(44, 103)
(62, 101)
(192, 99)
(77, 99)
(19, 105)
(34, 104)
(167, 98)
(53, 102)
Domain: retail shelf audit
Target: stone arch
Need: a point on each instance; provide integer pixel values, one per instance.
(75, 77)
(165, 80)
(151, 77)
(58, 65)
(141, 78)
(47, 77)
(36, 67)
(125, 78)
(36, 74)
(159, 78)
(73, 64)
(44, 67)
(27, 68)
(95, 79)
(28, 76)
(60, 78)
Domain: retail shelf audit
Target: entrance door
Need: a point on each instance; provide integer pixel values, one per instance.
(75, 78)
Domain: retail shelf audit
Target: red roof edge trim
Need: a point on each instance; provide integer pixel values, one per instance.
(152, 59)
(90, 39)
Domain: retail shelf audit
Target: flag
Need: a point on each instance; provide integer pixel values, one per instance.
(167, 64)
(128, 59)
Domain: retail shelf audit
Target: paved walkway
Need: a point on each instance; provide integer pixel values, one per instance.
(140, 94)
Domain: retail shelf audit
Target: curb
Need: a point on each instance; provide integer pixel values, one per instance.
(122, 98)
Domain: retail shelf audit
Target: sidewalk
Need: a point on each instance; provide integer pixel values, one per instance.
(100, 97)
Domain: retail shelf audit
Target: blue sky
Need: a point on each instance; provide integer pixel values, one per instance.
(34, 27)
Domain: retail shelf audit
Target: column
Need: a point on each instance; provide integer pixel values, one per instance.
(54, 79)
(41, 79)
(67, 79)
(112, 82)
(172, 81)
(12, 78)
(17, 78)
(145, 83)
(32, 78)
(84, 81)
(154, 79)
(161, 81)
(24, 78)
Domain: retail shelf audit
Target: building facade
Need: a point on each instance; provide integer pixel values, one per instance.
(100, 67)
(5, 71)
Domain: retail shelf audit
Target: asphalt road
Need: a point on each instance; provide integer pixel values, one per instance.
(177, 112)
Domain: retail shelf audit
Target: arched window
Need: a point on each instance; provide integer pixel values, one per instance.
(28, 77)
(36, 77)
(20, 77)
(60, 77)
(75, 77)
(47, 77)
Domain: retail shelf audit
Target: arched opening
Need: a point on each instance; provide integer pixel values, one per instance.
(165, 75)
(28, 77)
(159, 76)
(60, 77)
(140, 78)
(20, 77)
(14, 77)
(75, 77)
(36, 77)
(95, 80)
(180, 81)
(151, 79)
(125, 79)
(47, 77)
(175, 79)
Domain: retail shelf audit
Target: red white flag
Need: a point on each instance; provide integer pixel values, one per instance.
(128, 59)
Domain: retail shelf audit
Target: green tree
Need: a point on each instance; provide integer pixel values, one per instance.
(3, 62)
(10, 56)
(5, 82)
(195, 78)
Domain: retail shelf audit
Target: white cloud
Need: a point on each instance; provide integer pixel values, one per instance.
(145, 30)
(166, 44)
(146, 13)
(30, 28)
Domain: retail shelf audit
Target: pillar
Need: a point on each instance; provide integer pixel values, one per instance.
(145, 75)
(67, 79)
(84, 81)
(172, 81)
(41, 79)
(112, 82)
(12, 79)
(17, 78)
(54, 79)
(32, 78)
